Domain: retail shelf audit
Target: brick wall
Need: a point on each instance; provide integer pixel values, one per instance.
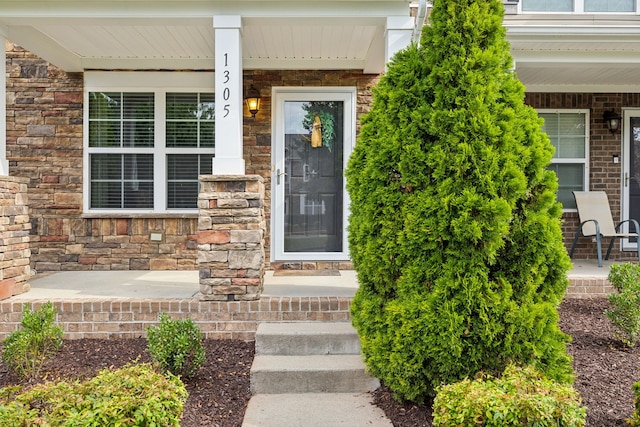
(604, 174)
(45, 145)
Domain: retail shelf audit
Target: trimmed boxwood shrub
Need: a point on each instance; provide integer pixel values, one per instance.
(26, 350)
(176, 345)
(135, 395)
(521, 397)
(624, 313)
(455, 228)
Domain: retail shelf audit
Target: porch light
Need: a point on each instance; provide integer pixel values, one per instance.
(253, 101)
(612, 119)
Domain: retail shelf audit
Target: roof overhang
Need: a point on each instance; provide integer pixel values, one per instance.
(179, 35)
(576, 53)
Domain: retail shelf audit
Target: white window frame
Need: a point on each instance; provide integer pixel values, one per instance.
(159, 83)
(578, 7)
(577, 160)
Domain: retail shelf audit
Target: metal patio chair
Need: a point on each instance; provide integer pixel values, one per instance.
(596, 221)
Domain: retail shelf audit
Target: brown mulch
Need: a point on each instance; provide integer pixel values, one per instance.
(218, 395)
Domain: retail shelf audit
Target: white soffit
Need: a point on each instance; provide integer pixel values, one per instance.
(141, 34)
(576, 53)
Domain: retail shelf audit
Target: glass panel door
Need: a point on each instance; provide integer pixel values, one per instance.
(631, 173)
(313, 141)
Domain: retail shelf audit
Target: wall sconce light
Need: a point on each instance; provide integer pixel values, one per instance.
(612, 119)
(253, 101)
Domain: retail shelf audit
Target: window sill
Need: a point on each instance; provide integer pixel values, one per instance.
(158, 215)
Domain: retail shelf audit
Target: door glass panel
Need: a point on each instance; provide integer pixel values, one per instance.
(313, 193)
(634, 170)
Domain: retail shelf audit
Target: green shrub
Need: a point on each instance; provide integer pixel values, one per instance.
(176, 345)
(521, 397)
(625, 311)
(635, 417)
(135, 395)
(26, 350)
(455, 230)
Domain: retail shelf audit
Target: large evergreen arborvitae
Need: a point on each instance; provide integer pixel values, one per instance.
(455, 229)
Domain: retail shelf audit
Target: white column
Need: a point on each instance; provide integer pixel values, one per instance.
(399, 33)
(4, 163)
(228, 87)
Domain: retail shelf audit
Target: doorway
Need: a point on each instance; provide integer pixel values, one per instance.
(313, 136)
(631, 173)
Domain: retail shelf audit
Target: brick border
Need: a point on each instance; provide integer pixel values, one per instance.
(129, 318)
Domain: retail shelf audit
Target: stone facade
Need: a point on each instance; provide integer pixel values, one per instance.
(14, 237)
(45, 145)
(231, 230)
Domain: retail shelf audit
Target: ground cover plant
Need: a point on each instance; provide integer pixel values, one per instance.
(454, 228)
(134, 395)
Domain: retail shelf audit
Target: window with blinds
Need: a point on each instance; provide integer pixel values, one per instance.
(579, 5)
(146, 149)
(569, 134)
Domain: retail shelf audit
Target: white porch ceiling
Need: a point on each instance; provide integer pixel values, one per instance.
(576, 53)
(141, 34)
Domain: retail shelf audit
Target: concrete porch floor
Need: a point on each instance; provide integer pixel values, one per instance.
(70, 285)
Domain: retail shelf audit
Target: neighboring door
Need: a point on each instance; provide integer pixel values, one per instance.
(313, 135)
(631, 172)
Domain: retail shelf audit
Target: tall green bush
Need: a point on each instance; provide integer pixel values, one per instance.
(455, 229)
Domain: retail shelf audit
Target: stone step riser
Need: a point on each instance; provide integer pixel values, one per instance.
(306, 338)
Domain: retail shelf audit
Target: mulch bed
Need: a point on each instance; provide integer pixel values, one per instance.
(218, 395)
(605, 370)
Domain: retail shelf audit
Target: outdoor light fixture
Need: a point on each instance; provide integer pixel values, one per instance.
(253, 101)
(612, 119)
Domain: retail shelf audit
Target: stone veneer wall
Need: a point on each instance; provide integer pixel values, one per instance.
(14, 237)
(231, 230)
(604, 174)
(45, 144)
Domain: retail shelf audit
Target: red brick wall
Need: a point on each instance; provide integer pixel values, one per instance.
(44, 144)
(604, 174)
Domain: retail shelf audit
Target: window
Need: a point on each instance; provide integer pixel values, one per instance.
(146, 147)
(569, 134)
(547, 5)
(609, 5)
(579, 6)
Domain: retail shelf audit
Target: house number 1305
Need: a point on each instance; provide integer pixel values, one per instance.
(226, 92)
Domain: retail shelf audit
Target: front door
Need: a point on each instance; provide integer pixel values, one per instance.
(313, 133)
(631, 173)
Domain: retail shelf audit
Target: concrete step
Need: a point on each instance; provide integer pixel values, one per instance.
(310, 374)
(314, 410)
(302, 338)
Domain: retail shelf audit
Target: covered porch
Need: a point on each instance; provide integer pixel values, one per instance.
(122, 304)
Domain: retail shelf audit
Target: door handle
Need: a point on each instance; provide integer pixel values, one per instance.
(278, 175)
(626, 179)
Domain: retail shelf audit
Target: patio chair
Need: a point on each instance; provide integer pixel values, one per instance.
(596, 221)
